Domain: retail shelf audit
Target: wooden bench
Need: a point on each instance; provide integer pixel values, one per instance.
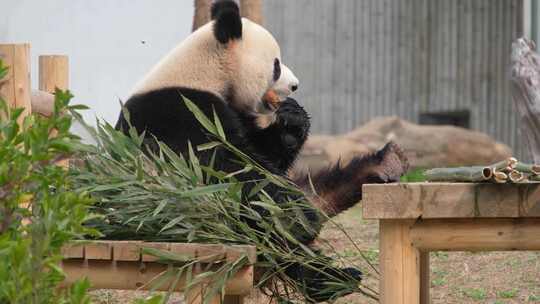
(123, 265)
(417, 218)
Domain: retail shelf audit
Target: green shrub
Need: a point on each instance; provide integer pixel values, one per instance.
(38, 213)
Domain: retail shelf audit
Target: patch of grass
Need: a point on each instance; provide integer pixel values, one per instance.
(441, 255)
(533, 298)
(414, 176)
(508, 294)
(476, 294)
(438, 282)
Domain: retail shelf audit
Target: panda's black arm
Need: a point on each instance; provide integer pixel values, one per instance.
(340, 187)
(281, 141)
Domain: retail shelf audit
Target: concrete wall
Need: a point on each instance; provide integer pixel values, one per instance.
(110, 43)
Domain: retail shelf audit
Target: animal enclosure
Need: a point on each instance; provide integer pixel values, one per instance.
(361, 59)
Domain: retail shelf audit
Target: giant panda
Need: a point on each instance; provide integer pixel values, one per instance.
(233, 66)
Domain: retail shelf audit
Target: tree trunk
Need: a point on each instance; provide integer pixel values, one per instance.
(202, 13)
(526, 93)
(252, 10)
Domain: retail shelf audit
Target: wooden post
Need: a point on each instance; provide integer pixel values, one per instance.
(202, 13)
(15, 88)
(252, 10)
(400, 264)
(53, 73)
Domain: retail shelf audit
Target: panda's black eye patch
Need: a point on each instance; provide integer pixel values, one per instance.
(277, 69)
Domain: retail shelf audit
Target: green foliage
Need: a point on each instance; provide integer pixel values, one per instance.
(167, 197)
(38, 212)
(476, 294)
(414, 176)
(508, 294)
(533, 298)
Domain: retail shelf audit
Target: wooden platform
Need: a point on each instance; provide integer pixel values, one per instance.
(416, 218)
(123, 265)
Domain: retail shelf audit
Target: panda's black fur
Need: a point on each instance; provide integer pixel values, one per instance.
(162, 114)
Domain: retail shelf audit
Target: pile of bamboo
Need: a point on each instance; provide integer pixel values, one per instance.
(509, 170)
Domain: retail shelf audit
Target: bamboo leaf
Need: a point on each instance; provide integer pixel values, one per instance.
(172, 223)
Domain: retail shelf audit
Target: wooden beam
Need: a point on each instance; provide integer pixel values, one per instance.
(476, 235)
(15, 88)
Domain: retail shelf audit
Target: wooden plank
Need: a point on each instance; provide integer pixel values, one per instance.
(446, 200)
(126, 250)
(400, 264)
(530, 206)
(451, 200)
(98, 250)
(391, 201)
(159, 246)
(477, 234)
(73, 251)
(499, 201)
(104, 274)
(15, 88)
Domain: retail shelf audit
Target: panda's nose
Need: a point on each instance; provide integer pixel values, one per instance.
(294, 87)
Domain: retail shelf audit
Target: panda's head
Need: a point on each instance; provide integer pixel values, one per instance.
(258, 78)
(231, 57)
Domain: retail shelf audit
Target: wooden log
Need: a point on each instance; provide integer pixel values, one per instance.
(476, 235)
(525, 71)
(15, 87)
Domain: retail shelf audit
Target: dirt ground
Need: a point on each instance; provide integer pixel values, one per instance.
(460, 277)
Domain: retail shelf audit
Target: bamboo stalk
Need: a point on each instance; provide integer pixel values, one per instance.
(528, 168)
(534, 178)
(463, 174)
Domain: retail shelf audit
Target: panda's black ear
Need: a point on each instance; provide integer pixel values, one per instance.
(228, 25)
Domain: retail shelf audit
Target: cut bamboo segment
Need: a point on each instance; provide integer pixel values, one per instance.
(505, 165)
(516, 176)
(528, 168)
(500, 177)
(459, 174)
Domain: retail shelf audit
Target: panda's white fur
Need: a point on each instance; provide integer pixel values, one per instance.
(201, 62)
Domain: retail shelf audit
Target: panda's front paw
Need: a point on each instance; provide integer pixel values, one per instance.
(293, 119)
(393, 163)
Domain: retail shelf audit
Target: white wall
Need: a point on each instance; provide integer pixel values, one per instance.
(110, 43)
